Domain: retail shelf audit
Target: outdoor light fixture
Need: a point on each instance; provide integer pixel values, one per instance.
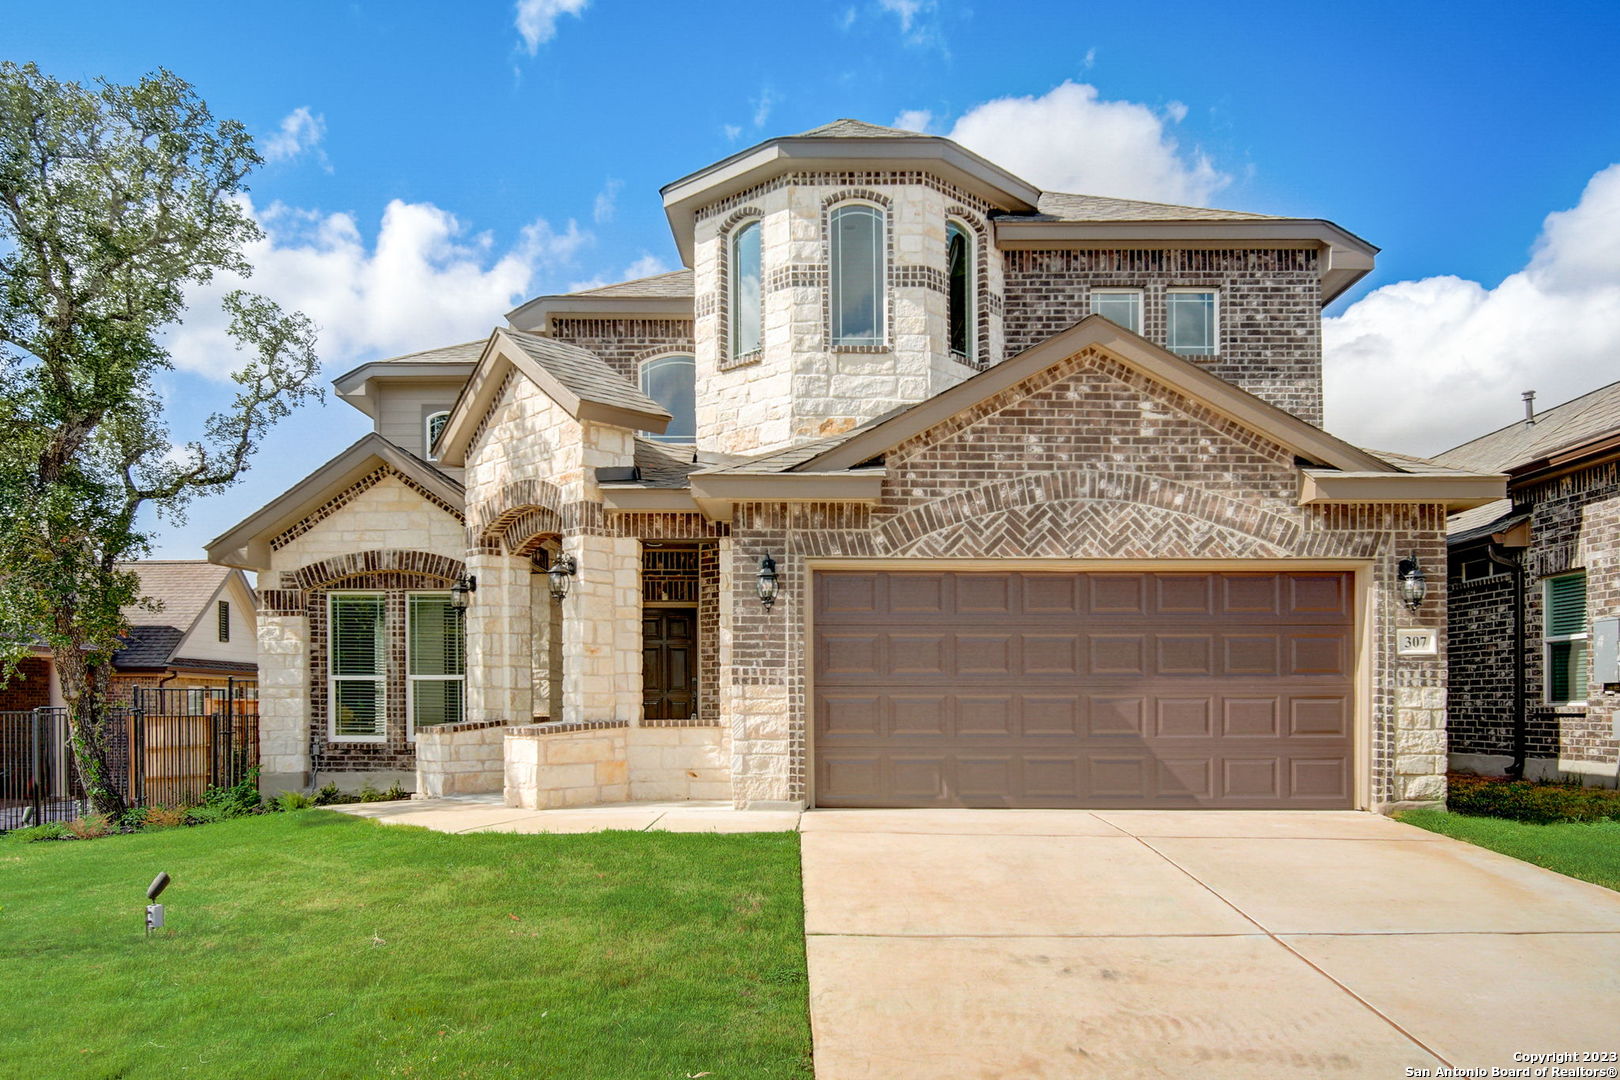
(766, 585)
(562, 569)
(154, 912)
(1414, 586)
(461, 592)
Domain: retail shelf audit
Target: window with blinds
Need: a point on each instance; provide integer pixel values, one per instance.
(436, 661)
(1564, 635)
(357, 667)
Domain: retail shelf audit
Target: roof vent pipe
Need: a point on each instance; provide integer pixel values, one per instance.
(1529, 408)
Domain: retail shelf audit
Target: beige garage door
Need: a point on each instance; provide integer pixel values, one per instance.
(1100, 690)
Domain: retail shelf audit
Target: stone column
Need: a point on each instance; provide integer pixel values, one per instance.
(284, 715)
(499, 673)
(602, 631)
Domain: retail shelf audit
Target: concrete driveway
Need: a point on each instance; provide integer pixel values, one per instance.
(1070, 944)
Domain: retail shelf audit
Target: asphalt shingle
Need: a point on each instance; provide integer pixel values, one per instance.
(583, 373)
(1560, 427)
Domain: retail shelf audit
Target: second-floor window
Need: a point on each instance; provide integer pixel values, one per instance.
(745, 293)
(1123, 307)
(1565, 635)
(857, 273)
(433, 427)
(1192, 316)
(672, 382)
(959, 289)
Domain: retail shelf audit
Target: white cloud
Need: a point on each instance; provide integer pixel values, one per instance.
(537, 19)
(300, 131)
(733, 132)
(763, 105)
(607, 201)
(645, 266)
(1424, 365)
(1090, 59)
(426, 281)
(914, 120)
(1069, 139)
(907, 11)
(919, 24)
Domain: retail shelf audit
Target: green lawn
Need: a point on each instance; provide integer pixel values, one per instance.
(312, 944)
(1586, 850)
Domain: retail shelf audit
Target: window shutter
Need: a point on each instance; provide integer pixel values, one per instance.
(224, 620)
(1566, 605)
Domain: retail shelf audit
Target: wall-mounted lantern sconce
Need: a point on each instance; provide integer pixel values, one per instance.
(1414, 586)
(563, 569)
(766, 584)
(461, 592)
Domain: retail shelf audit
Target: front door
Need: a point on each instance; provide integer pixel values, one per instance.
(669, 663)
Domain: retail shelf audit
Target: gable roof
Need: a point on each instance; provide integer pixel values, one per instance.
(846, 128)
(1061, 206)
(444, 362)
(575, 378)
(1559, 434)
(185, 590)
(1238, 405)
(247, 544)
(663, 296)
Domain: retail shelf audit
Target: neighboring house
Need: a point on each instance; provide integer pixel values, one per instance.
(918, 486)
(1531, 578)
(204, 634)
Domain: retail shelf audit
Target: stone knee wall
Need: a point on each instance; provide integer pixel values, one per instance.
(549, 766)
(461, 759)
(673, 763)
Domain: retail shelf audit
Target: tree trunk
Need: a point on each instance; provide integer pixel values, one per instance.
(85, 687)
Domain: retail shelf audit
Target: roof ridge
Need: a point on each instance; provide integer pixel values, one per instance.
(1155, 202)
(1538, 418)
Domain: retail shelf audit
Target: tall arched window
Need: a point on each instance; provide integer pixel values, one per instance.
(432, 427)
(671, 381)
(959, 286)
(745, 295)
(857, 275)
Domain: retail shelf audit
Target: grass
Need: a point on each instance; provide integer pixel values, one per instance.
(312, 944)
(1586, 850)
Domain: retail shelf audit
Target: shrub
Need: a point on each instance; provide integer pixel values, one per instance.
(395, 793)
(90, 826)
(1538, 803)
(292, 800)
(240, 798)
(204, 815)
(133, 818)
(166, 817)
(51, 830)
(368, 793)
(330, 794)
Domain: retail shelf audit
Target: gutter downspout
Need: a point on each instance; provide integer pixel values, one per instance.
(1520, 735)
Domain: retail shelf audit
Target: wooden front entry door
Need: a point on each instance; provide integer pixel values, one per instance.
(669, 663)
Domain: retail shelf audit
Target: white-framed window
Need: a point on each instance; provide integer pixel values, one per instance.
(1123, 307)
(745, 297)
(672, 382)
(961, 290)
(432, 427)
(1564, 636)
(1192, 318)
(857, 275)
(357, 666)
(435, 662)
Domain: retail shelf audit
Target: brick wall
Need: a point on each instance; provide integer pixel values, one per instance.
(622, 344)
(1270, 309)
(29, 688)
(1483, 656)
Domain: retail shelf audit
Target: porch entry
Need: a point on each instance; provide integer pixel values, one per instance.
(669, 632)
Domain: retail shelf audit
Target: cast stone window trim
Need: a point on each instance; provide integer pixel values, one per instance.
(432, 425)
(435, 638)
(1564, 636)
(857, 272)
(744, 298)
(962, 290)
(1192, 320)
(670, 379)
(1120, 306)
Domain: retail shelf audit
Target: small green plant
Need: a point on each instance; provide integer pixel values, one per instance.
(204, 815)
(1538, 803)
(395, 793)
(90, 826)
(134, 818)
(166, 817)
(331, 795)
(51, 830)
(369, 793)
(238, 799)
(292, 800)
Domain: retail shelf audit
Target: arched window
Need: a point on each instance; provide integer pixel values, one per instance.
(671, 381)
(432, 427)
(959, 286)
(745, 295)
(857, 274)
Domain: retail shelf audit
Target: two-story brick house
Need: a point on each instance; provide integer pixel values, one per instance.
(917, 486)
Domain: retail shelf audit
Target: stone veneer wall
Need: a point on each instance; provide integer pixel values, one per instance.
(1087, 460)
(461, 759)
(1269, 309)
(550, 766)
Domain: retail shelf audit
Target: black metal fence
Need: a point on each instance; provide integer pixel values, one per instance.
(166, 749)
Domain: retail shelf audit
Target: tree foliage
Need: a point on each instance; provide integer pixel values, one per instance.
(114, 201)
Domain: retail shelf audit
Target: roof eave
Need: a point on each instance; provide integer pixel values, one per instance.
(683, 197)
(718, 493)
(355, 386)
(1455, 491)
(536, 315)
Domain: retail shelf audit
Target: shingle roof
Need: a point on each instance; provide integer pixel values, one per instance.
(667, 465)
(1410, 463)
(1061, 206)
(1560, 427)
(1481, 521)
(465, 353)
(676, 283)
(846, 128)
(183, 587)
(583, 373)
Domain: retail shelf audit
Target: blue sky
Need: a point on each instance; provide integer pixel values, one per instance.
(433, 164)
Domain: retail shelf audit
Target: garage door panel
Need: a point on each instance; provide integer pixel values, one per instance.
(1085, 689)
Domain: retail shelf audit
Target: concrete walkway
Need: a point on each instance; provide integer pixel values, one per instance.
(489, 813)
(1067, 944)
